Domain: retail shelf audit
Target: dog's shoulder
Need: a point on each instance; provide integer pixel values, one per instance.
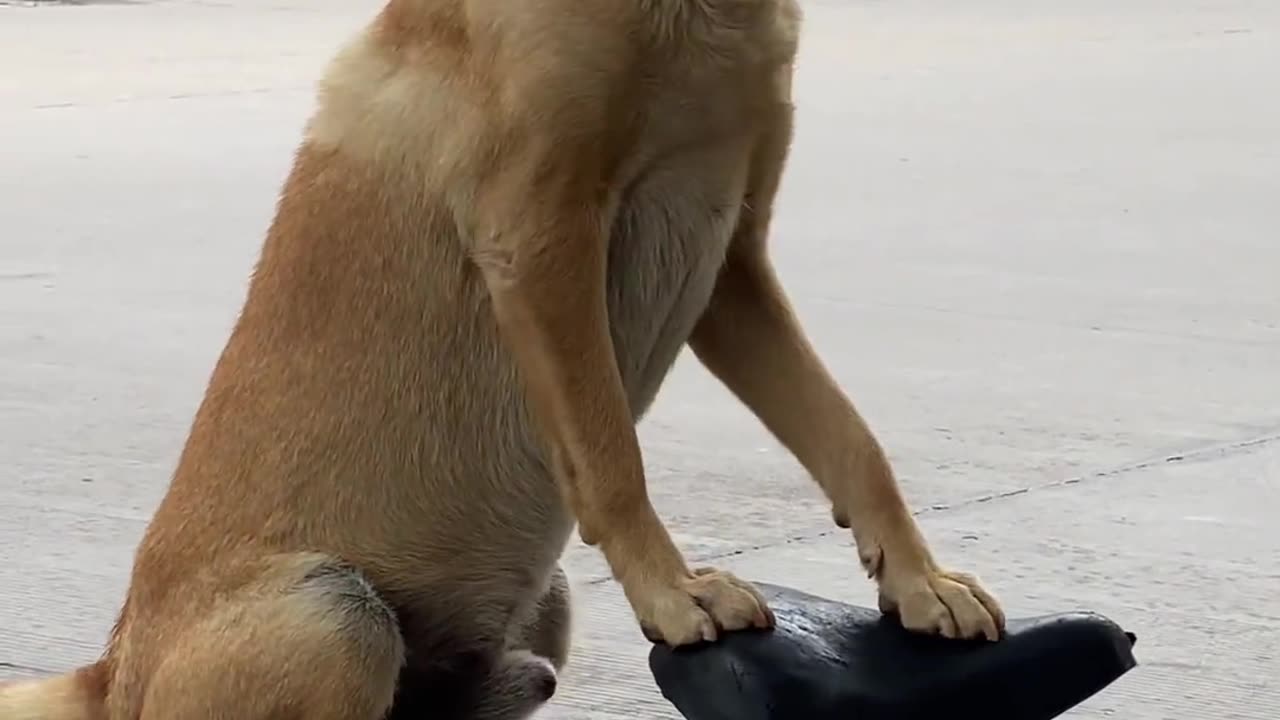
(450, 89)
(443, 84)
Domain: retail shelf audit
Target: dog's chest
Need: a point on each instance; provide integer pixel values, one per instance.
(665, 251)
(677, 216)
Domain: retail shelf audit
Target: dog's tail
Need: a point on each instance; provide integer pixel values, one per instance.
(77, 695)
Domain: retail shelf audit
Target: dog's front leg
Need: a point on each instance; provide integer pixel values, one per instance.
(544, 263)
(750, 338)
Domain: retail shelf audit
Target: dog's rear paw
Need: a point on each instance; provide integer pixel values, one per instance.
(520, 684)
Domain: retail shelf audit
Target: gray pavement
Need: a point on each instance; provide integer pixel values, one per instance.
(1039, 243)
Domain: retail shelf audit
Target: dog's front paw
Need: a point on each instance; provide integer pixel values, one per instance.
(942, 602)
(698, 607)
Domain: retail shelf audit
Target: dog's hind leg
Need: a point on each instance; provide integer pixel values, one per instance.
(309, 638)
(524, 678)
(519, 684)
(546, 632)
(489, 676)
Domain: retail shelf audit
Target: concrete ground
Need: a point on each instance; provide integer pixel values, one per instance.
(1039, 243)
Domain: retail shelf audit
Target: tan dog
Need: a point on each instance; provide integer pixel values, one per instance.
(505, 221)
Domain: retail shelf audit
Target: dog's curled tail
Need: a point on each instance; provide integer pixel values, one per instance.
(77, 695)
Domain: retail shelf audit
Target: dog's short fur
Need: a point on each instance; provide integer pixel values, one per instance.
(504, 222)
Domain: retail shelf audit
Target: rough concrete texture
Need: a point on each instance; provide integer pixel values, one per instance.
(1039, 243)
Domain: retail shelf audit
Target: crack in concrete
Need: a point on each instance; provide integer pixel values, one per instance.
(6, 665)
(1198, 454)
(1208, 452)
(130, 99)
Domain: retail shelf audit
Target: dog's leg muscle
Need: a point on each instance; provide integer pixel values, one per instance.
(751, 340)
(544, 262)
(309, 638)
(546, 633)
